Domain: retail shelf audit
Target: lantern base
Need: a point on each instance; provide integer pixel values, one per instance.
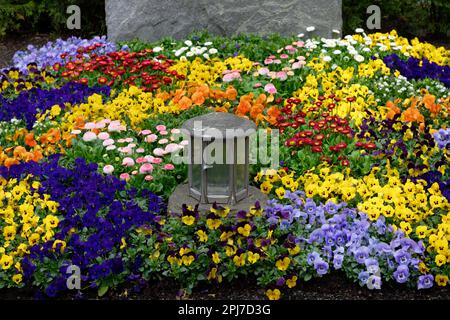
(181, 196)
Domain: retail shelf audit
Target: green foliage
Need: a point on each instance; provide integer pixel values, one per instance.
(50, 16)
(249, 45)
(16, 13)
(422, 18)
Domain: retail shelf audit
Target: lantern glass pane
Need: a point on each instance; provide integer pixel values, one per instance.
(218, 180)
(195, 146)
(196, 176)
(218, 175)
(240, 177)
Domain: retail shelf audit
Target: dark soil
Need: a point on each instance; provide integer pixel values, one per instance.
(331, 287)
(12, 43)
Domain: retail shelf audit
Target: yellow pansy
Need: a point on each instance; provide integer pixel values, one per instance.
(202, 236)
(440, 260)
(274, 294)
(291, 282)
(252, 257)
(188, 220)
(280, 192)
(245, 230)
(283, 264)
(239, 260)
(421, 232)
(17, 278)
(216, 258)
(213, 224)
(6, 261)
(441, 280)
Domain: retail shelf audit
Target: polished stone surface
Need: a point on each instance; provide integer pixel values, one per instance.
(154, 19)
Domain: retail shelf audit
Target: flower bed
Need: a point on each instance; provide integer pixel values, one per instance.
(87, 131)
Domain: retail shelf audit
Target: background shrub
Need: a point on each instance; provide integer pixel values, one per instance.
(51, 16)
(422, 18)
(429, 19)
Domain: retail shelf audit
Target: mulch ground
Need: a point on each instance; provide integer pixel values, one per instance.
(12, 43)
(331, 287)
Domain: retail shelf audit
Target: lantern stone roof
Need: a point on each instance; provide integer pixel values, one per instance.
(225, 124)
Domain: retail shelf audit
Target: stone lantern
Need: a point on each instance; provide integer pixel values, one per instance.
(218, 156)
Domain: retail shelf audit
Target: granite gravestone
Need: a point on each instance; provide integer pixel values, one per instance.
(153, 19)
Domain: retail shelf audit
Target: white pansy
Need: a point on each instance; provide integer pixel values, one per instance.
(310, 44)
(189, 54)
(329, 43)
(382, 46)
(180, 51)
(327, 58)
(359, 30)
(207, 43)
(359, 58)
(310, 29)
(352, 51)
(206, 56)
(157, 49)
(336, 31)
(188, 43)
(212, 51)
(337, 52)
(301, 35)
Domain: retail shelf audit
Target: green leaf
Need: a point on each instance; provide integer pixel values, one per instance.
(201, 277)
(102, 290)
